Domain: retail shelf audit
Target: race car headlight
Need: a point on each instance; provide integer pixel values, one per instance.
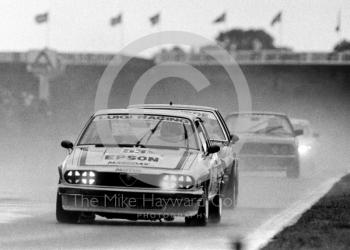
(303, 149)
(176, 182)
(80, 177)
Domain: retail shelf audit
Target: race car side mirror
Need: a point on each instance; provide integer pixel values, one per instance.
(67, 144)
(298, 132)
(234, 138)
(213, 149)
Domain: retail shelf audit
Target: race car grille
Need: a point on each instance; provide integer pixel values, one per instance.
(267, 149)
(112, 179)
(127, 180)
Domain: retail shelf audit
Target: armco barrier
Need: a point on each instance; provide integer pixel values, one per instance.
(269, 57)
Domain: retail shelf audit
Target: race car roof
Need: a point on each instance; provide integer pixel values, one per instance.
(148, 112)
(256, 113)
(173, 106)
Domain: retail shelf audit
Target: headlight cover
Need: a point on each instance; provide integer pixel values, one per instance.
(172, 181)
(85, 177)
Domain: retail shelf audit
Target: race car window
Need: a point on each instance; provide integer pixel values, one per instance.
(211, 124)
(259, 124)
(140, 130)
(214, 127)
(202, 135)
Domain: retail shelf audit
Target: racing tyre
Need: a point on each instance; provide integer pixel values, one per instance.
(65, 216)
(293, 170)
(215, 209)
(201, 218)
(231, 190)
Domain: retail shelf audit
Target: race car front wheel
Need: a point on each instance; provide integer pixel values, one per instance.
(231, 189)
(215, 209)
(64, 216)
(201, 218)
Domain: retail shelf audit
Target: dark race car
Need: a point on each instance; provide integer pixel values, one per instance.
(219, 134)
(135, 165)
(267, 142)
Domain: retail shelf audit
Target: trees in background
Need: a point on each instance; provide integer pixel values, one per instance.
(238, 39)
(343, 45)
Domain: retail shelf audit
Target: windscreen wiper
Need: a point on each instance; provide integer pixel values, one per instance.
(151, 131)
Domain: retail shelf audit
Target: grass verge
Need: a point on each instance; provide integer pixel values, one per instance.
(326, 225)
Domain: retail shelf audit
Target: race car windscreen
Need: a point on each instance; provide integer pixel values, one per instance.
(259, 124)
(140, 130)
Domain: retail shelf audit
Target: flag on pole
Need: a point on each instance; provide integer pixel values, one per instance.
(220, 19)
(277, 18)
(116, 20)
(42, 18)
(155, 19)
(338, 27)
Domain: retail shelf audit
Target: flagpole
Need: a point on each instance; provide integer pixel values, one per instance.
(160, 30)
(226, 22)
(281, 24)
(49, 16)
(281, 32)
(121, 33)
(228, 48)
(122, 25)
(47, 43)
(156, 20)
(339, 25)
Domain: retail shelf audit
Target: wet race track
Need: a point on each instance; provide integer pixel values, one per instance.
(267, 202)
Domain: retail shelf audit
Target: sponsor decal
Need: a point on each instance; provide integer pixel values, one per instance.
(143, 117)
(137, 151)
(143, 160)
(132, 157)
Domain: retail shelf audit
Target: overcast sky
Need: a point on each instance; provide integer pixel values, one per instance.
(83, 25)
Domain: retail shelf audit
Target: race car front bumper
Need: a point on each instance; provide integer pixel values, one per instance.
(140, 202)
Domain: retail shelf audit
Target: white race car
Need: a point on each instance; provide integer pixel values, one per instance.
(219, 134)
(137, 164)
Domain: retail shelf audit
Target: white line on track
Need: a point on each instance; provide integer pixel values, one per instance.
(262, 235)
